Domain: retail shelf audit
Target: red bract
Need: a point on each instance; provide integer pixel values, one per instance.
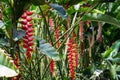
(25, 27)
(24, 16)
(28, 54)
(25, 45)
(29, 25)
(29, 19)
(29, 13)
(29, 49)
(31, 43)
(24, 22)
(30, 34)
(52, 64)
(30, 29)
(28, 38)
(25, 41)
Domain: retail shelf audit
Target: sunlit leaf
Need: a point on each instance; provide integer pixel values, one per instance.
(48, 50)
(7, 67)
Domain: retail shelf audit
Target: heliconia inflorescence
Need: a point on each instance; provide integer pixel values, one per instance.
(52, 67)
(52, 63)
(73, 56)
(28, 38)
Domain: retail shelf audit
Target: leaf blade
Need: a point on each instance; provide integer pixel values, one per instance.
(102, 17)
(48, 50)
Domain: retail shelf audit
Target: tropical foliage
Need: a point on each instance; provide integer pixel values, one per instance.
(59, 39)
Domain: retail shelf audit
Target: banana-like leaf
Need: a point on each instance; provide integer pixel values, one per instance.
(7, 67)
(48, 50)
(103, 18)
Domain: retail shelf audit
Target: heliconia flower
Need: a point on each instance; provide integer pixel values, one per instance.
(52, 66)
(28, 38)
(73, 56)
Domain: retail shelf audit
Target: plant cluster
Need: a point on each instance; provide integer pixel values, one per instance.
(59, 40)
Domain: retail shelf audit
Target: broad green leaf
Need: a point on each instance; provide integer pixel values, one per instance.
(7, 67)
(48, 50)
(103, 18)
(60, 9)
